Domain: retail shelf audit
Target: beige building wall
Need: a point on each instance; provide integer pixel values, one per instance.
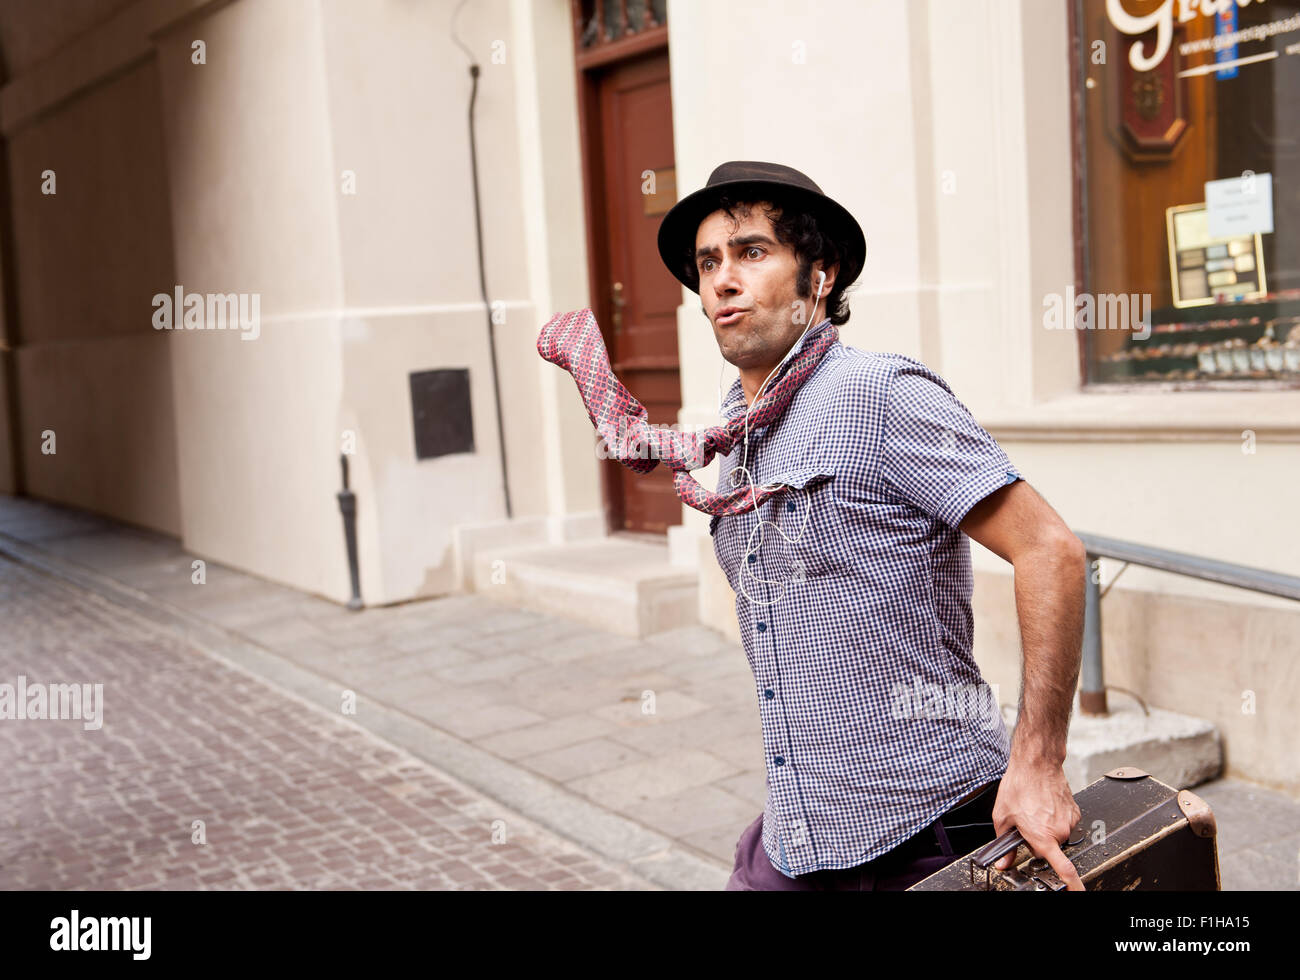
(253, 209)
(229, 176)
(86, 261)
(398, 97)
(364, 288)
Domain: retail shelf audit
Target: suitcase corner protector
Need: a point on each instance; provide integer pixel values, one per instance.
(1198, 813)
(1127, 772)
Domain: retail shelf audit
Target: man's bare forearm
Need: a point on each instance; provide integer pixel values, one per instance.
(1050, 583)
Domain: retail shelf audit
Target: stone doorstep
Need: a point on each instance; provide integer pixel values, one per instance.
(1177, 749)
(622, 586)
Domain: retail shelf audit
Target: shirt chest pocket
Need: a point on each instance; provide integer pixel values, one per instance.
(805, 546)
(801, 545)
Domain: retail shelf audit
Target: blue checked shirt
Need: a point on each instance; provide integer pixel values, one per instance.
(875, 717)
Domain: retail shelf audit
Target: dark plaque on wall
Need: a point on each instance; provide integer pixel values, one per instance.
(441, 412)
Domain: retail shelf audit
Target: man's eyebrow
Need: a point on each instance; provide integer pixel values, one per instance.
(738, 241)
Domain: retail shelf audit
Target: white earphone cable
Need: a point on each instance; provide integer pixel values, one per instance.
(752, 549)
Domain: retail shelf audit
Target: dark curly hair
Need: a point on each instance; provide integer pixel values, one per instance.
(793, 226)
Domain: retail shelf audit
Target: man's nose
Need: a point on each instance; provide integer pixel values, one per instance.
(726, 280)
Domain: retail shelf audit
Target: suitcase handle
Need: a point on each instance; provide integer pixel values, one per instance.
(993, 850)
(1009, 842)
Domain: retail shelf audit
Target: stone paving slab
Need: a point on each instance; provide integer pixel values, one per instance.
(1259, 835)
(539, 736)
(548, 736)
(698, 810)
(625, 787)
(583, 759)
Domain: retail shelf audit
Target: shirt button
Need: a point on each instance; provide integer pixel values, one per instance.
(753, 558)
(790, 505)
(769, 694)
(762, 626)
(779, 761)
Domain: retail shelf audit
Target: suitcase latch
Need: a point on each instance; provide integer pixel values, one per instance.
(1038, 875)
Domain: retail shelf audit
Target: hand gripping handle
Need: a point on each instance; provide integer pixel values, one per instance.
(1007, 843)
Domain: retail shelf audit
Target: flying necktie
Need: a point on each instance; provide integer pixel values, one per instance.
(573, 342)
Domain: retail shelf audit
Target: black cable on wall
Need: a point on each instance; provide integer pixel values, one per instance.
(482, 272)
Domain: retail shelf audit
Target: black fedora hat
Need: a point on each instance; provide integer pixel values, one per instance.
(756, 181)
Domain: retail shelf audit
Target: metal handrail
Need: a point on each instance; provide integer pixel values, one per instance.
(1092, 696)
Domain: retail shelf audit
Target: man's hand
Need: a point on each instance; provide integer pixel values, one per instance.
(1051, 564)
(1036, 799)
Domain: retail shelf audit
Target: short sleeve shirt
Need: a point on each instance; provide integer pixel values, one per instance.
(853, 600)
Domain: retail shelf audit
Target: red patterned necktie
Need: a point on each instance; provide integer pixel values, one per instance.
(573, 341)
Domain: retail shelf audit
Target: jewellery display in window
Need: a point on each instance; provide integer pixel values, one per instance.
(1205, 270)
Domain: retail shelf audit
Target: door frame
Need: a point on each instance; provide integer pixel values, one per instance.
(588, 66)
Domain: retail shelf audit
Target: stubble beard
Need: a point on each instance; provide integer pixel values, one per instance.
(763, 343)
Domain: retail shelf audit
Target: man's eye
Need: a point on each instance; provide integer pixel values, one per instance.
(704, 266)
(754, 248)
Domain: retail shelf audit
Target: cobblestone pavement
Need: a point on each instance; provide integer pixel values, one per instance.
(289, 797)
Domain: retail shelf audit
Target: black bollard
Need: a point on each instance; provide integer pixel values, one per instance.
(348, 505)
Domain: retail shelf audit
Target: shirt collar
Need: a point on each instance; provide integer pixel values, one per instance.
(733, 403)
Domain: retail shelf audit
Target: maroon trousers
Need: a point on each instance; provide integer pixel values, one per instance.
(962, 830)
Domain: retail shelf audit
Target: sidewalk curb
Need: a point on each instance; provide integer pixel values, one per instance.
(657, 859)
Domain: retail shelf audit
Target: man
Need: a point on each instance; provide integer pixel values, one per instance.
(842, 525)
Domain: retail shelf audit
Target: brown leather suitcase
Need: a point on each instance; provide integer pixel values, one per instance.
(1135, 834)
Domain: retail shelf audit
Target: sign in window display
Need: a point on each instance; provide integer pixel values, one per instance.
(1211, 270)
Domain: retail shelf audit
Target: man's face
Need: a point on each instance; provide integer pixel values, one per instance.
(747, 287)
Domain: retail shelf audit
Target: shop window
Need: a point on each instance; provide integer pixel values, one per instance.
(1188, 156)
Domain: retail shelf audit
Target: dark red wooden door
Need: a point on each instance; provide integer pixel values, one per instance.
(635, 297)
